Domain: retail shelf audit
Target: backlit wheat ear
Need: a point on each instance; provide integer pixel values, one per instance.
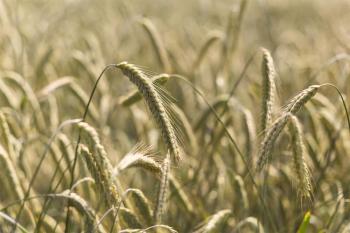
(268, 90)
(301, 99)
(66, 148)
(6, 136)
(241, 192)
(272, 134)
(134, 96)
(50, 225)
(181, 195)
(53, 86)
(250, 130)
(85, 64)
(140, 156)
(156, 100)
(27, 90)
(11, 182)
(231, 37)
(104, 182)
(98, 162)
(83, 208)
(92, 166)
(142, 205)
(216, 222)
(163, 190)
(8, 95)
(129, 219)
(300, 166)
(9, 175)
(210, 40)
(162, 228)
(54, 113)
(157, 43)
(254, 223)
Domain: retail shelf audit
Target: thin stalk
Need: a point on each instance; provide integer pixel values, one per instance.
(232, 140)
(46, 150)
(79, 139)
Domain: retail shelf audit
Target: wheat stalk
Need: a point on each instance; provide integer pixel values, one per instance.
(83, 98)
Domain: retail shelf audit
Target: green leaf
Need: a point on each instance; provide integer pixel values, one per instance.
(306, 221)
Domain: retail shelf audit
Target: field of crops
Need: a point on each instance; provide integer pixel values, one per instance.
(174, 116)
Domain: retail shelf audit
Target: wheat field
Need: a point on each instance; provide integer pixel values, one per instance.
(174, 116)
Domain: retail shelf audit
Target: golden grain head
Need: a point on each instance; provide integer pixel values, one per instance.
(241, 107)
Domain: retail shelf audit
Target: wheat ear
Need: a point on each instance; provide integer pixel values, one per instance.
(156, 105)
(140, 156)
(128, 218)
(98, 162)
(299, 151)
(27, 90)
(180, 194)
(210, 40)
(12, 182)
(83, 208)
(142, 205)
(216, 222)
(163, 190)
(301, 99)
(134, 96)
(6, 136)
(269, 140)
(268, 89)
(157, 43)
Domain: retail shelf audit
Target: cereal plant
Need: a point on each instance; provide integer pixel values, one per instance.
(174, 116)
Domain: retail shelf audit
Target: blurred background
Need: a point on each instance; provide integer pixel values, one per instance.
(73, 40)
